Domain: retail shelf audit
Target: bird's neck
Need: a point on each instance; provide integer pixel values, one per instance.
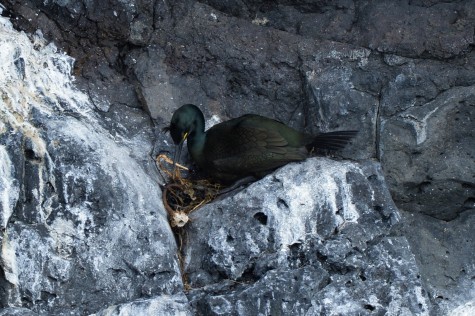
(196, 142)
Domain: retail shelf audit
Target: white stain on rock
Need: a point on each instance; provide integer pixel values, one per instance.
(303, 200)
(9, 189)
(42, 252)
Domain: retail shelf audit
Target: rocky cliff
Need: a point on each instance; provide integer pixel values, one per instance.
(384, 227)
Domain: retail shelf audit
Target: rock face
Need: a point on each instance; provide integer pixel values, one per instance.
(83, 227)
(81, 218)
(402, 73)
(313, 238)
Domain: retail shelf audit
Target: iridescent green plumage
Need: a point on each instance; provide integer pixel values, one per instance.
(250, 145)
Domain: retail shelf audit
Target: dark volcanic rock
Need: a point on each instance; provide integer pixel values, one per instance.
(428, 160)
(447, 244)
(415, 28)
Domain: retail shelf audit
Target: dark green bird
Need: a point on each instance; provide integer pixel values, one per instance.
(250, 145)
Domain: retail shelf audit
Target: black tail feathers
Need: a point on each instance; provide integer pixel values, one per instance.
(331, 141)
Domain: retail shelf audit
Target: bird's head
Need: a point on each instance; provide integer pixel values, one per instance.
(186, 122)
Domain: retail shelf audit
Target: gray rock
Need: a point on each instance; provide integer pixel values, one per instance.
(429, 162)
(417, 28)
(450, 283)
(314, 237)
(158, 90)
(14, 311)
(82, 223)
(176, 305)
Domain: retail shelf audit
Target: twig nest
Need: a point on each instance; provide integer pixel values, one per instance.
(182, 196)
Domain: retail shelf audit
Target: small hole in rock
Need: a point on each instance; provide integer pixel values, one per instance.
(261, 217)
(369, 307)
(30, 154)
(282, 203)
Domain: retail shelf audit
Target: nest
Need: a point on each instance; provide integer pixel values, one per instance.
(181, 196)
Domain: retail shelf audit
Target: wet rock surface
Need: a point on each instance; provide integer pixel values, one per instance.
(400, 72)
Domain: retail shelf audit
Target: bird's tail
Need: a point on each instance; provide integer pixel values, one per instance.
(331, 141)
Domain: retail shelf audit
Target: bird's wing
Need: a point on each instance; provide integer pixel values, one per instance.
(248, 148)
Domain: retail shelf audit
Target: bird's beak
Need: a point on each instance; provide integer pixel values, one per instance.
(178, 149)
